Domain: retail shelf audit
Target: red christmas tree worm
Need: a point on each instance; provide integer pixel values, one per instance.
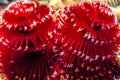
(88, 35)
(26, 40)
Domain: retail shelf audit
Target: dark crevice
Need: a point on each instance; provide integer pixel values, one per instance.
(98, 27)
(22, 18)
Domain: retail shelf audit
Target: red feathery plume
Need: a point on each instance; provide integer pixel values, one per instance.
(26, 25)
(88, 39)
(30, 66)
